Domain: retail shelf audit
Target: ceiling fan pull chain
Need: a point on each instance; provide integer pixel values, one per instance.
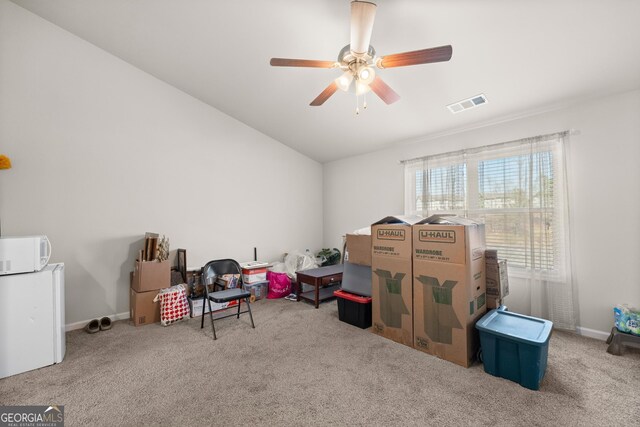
(364, 103)
(357, 107)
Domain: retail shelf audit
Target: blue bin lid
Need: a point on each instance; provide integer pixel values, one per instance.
(514, 326)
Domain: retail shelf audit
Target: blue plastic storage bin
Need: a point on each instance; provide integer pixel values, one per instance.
(515, 346)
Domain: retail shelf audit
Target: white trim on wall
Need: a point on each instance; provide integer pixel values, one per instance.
(592, 333)
(585, 332)
(79, 325)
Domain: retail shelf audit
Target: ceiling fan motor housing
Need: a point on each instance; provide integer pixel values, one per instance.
(346, 57)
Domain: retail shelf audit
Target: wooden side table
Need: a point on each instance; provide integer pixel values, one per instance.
(325, 280)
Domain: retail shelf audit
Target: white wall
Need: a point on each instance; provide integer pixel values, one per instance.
(604, 180)
(103, 152)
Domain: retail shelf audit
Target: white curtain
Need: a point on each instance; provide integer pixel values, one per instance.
(519, 191)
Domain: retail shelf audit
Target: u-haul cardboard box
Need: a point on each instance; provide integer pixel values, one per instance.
(391, 283)
(449, 291)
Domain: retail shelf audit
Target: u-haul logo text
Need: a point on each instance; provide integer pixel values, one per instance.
(438, 236)
(390, 234)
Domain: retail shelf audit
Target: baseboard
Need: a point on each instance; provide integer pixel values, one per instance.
(592, 333)
(79, 325)
(586, 332)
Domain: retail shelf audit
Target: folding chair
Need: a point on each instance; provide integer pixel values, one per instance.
(211, 272)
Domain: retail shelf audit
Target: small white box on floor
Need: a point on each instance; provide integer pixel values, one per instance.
(254, 272)
(195, 306)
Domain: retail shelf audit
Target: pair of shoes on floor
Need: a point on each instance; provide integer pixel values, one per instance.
(97, 325)
(291, 297)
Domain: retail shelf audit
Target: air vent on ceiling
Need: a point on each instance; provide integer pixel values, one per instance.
(468, 103)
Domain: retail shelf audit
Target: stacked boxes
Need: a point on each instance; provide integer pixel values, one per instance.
(449, 293)
(147, 278)
(428, 283)
(391, 279)
(497, 278)
(149, 275)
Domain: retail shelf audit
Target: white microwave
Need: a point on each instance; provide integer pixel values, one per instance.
(24, 254)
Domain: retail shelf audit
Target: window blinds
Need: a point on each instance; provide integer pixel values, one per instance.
(511, 187)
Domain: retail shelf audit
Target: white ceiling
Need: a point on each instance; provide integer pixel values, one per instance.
(524, 55)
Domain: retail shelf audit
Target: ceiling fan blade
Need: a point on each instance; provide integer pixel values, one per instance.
(287, 62)
(326, 93)
(363, 14)
(415, 57)
(380, 88)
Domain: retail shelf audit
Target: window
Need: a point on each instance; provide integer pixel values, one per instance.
(518, 189)
(514, 188)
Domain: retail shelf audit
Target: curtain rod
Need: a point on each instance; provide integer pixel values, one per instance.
(476, 149)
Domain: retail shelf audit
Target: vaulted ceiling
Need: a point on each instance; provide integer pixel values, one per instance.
(524, 55)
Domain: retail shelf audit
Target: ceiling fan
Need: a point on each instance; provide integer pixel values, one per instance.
(358, 59)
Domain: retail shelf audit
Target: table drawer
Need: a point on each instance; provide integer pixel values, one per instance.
(332, 279)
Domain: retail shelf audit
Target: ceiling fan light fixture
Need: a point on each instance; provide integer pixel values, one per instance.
(366, 75)
(344, 81)
(362, 88)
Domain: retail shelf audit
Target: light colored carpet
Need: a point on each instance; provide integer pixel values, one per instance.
(303, 366)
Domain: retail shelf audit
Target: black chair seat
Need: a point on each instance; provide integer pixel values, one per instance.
(229, 295)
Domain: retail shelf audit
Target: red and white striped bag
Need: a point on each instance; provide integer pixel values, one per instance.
(173, 304)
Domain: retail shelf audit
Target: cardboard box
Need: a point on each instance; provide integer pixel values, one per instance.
(391, 278)
(195, 306)
(254, 275)
(142, 309)
(493, 303)
(449, 293)
(151, 276)
(359, 249)
(497, 279)
(491, 255)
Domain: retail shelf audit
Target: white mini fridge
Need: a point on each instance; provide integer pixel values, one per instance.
(31, 320)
